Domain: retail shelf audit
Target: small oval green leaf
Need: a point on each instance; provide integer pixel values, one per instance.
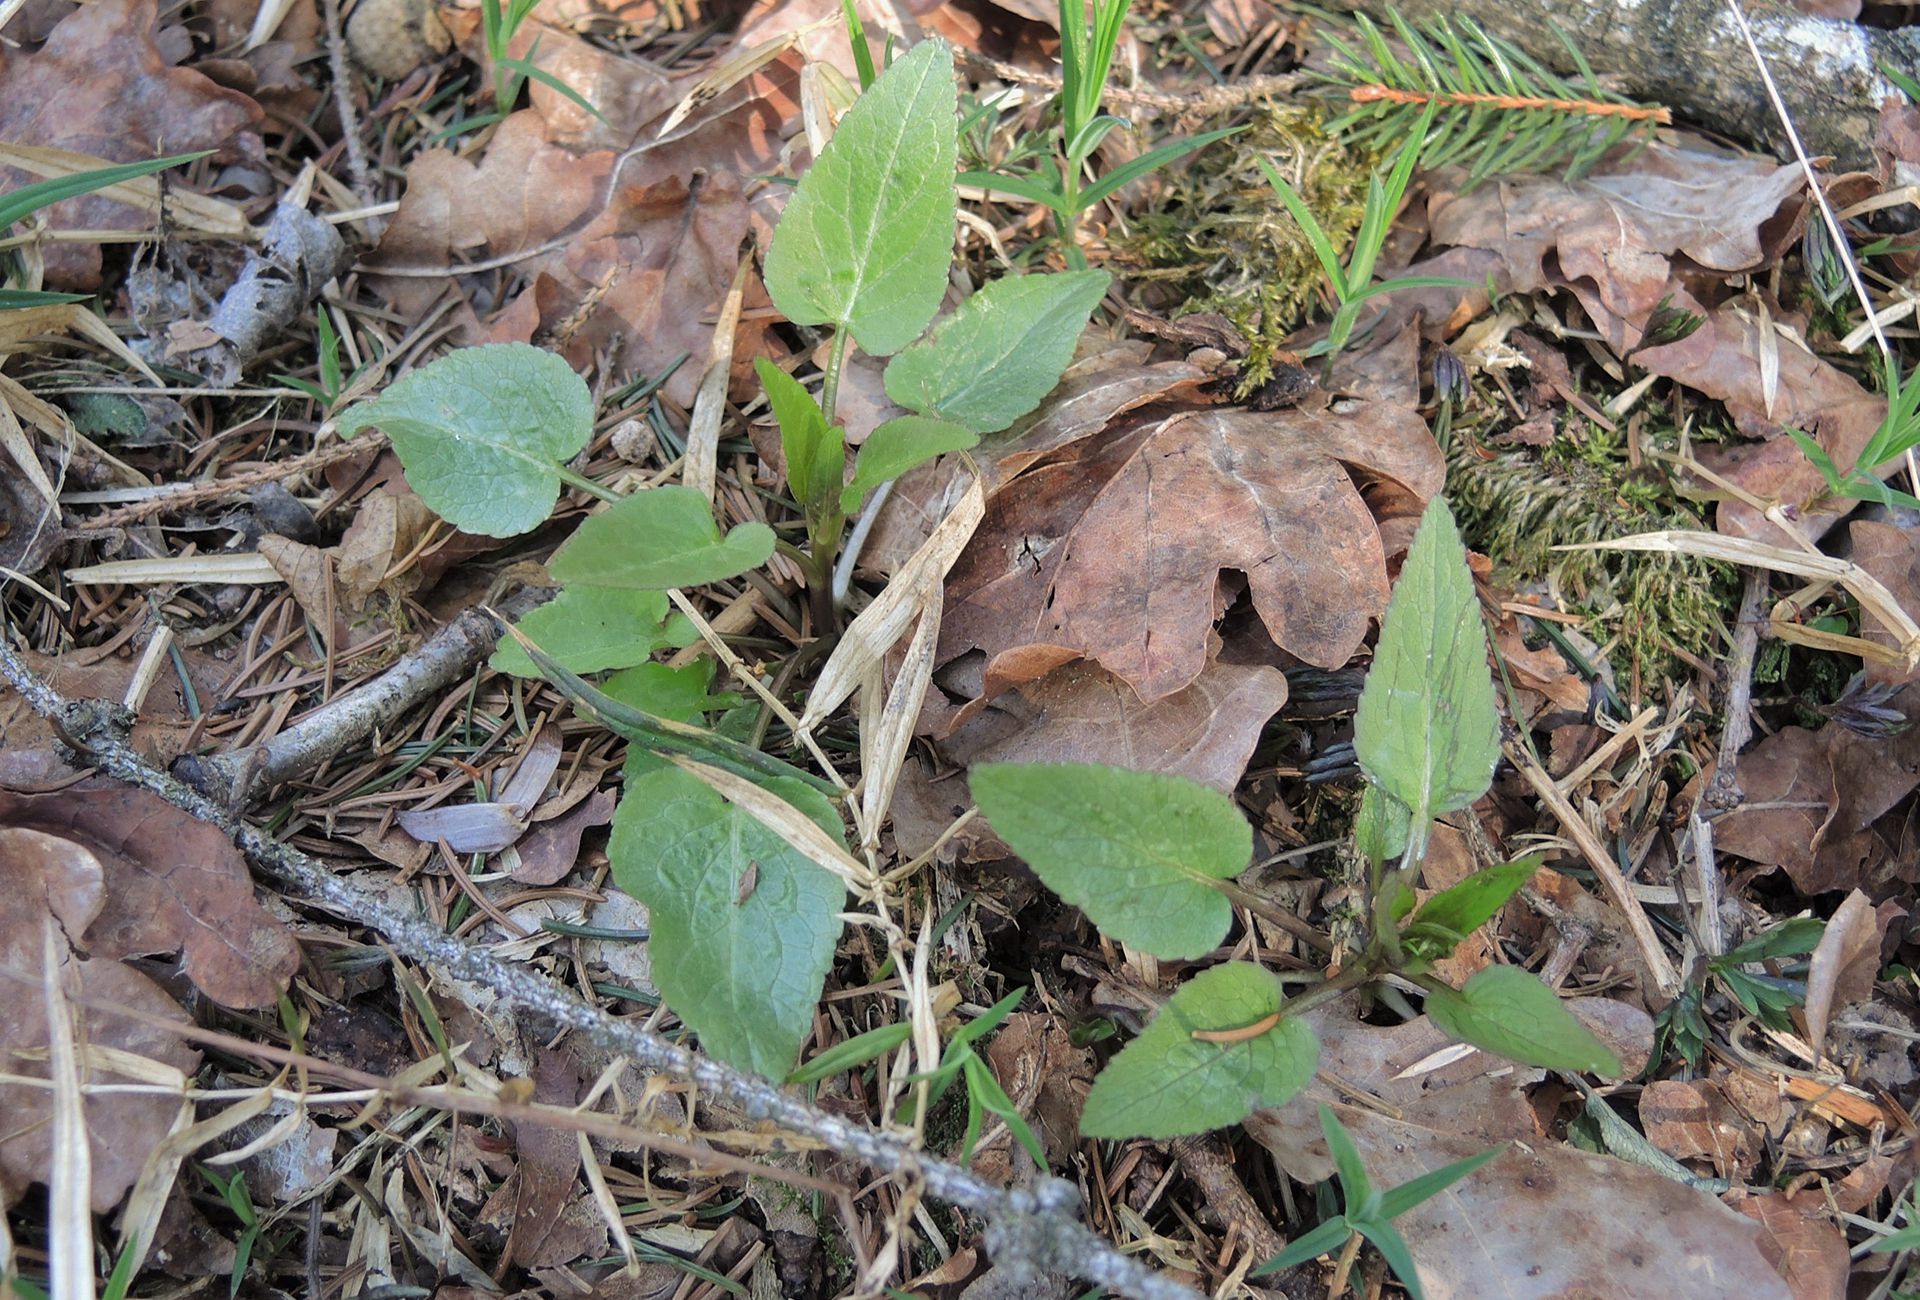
(1509, 1012)
(482, 433)
(1136, 851)
(1000, 352)
(588, 630)
(658, 538)
(897, 446)
(1468, 905)
(1166, 1082)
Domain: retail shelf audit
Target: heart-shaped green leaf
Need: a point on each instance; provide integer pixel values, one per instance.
(1426, 730)
(482, 433)
(589, 629)
(1136, 851)
(658, 538)
(1000, 352)
(1167, 1082)
(744, 926)
(897, 446)
(1510, 1013)
(866, 238)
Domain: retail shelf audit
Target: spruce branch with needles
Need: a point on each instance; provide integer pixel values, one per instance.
(1499, 110)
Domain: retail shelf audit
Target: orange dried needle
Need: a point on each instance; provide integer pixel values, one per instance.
(1376, 94)
(1240, 1035)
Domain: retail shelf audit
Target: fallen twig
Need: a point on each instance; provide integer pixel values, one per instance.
(231, 779)
(1659, 965)
(1032, 1228)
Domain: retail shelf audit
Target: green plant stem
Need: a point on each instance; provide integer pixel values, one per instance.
(1067, 215)
(1343, 1267)
(836, 361)
(1364, 970)
(585, 484)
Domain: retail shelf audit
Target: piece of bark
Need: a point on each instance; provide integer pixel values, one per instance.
(1690, 56)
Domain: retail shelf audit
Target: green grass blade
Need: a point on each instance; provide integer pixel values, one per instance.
(856, 1051)
(1396, 1201)
(857, 36)
(525, 68)
(1393, 1248)
(1323, 1240)
(16, 299)
(1148, 162)
(1022, 187)
(29, 199)
(1310, 226)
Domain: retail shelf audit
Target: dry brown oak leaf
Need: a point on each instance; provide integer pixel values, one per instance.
(632, 266)
(99, 86)
(1813, 799)
(1108, 540)
(1675, 227)
(1616, 240)
(53, 875)
(173, 884)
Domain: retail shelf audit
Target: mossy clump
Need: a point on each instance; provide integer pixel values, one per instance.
(1517, 505)
(1217, 238)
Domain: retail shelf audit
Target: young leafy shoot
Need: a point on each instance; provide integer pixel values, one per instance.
(1446, 919)
(484, 433)
(659, 538)
(1427, 732)
(1218, 1050)
(897, 446)
(1371, 1213)
(589, 630)
(816, 453)
(1136, 851)
(1509, 1012)
(744, 925)
(866, 239)
(1000, 352)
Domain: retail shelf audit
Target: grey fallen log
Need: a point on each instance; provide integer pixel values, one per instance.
(1690, 56)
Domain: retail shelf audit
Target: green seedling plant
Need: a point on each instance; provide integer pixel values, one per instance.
(498, 27)
(233, 1190)
(961, 1063)
(332, 382)
(1767, 997)
(1151, 861)
(17, 205)
(744, 924)
(1894, 439)
(1350, 280)
(1060, 184)
(1368, 1213)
